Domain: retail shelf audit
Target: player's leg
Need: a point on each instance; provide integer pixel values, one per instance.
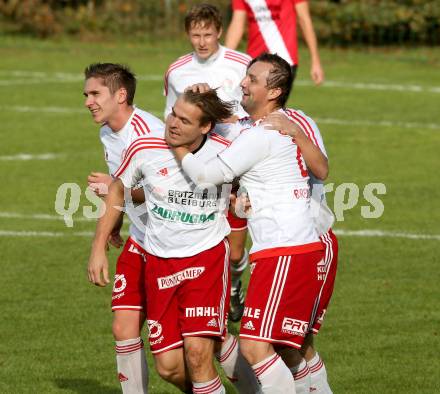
(203, 301)
(235, 366)
(170, 365)
(299, 368)
(239, 261)
(271, 371)
(128, 304)
(319, 381)
(199, 357)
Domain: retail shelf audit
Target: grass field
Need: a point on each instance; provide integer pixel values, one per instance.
(380, 117)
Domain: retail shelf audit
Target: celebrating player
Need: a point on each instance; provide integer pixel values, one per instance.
(187, 275)
(222, 69)
(288, 265)
(109, 90)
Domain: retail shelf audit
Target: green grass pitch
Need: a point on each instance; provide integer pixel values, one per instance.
(380, 117)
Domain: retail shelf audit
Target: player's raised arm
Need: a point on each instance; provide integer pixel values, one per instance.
(98, 263)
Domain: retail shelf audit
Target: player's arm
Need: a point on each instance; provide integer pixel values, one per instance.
(315, 160)
(248, 149)
(308, 32)
(236, 29)
(98, 262)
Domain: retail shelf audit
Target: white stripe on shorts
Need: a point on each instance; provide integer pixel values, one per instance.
(276, 291)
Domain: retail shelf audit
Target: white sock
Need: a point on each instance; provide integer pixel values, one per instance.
(132, 366)
(214, 386)
(319, 383)
(236, 368)
(301, 375)
(274, 376)
(238, 269)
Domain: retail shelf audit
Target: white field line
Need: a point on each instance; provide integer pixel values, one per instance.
(347, 233)
(332, 121)
(40, 216)
(381, 123)
(19, 77)
(386, 234)
(28, 156)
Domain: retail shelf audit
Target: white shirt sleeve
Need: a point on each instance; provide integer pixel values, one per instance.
(250, 148)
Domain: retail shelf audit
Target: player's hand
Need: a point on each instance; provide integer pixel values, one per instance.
(99, 183)
(280, 122)
(115, 239)
(198, 88)
(317, 73)
(240, 206)
(97, 269)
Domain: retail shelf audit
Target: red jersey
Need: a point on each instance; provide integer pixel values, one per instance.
(271, 27)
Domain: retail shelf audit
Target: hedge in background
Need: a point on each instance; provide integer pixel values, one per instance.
(343, 22)
(377, 22)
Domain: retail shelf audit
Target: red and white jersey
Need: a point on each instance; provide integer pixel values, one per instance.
(223, 71)
(183, 219)
(274, 174)
(116, 143)
(271, 27)
(321, 213)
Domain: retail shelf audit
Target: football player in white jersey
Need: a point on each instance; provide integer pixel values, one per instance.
(109, 92)
(222, 69)
(282, 227)
(188, 261)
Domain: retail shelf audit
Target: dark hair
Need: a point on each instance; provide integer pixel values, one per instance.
(279, 77)
(213, 109)
(114, 76)
(204, 14)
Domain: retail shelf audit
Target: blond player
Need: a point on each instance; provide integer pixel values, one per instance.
(187, 274)
(222, 69)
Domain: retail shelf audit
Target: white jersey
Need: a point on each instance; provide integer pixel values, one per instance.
(322, 215)
(273, 172)
(183, 219)
(223, 71)
(140, 123)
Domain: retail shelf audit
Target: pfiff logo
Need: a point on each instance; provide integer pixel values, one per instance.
(295, 327)
(154, 328)
(120, 283)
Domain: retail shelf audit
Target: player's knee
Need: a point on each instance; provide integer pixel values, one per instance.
(170, 373)
(123, 331)
(196, 355)
(236, 253)
(254, 351)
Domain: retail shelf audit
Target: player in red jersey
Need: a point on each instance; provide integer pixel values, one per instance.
(272, 28)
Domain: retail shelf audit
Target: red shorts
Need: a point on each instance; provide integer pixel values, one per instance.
(281, 298)
(187, 297)
(128, 287)
(236, 224)
(329, 271)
